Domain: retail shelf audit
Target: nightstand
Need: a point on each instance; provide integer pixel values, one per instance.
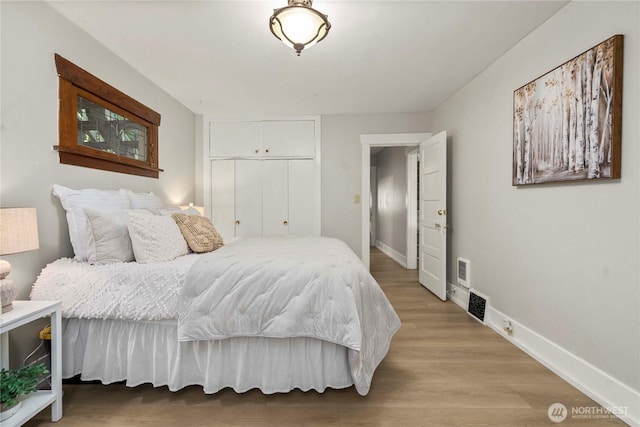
(25, 312)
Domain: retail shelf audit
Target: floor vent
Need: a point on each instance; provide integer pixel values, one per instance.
(464, 272)
(477, 305)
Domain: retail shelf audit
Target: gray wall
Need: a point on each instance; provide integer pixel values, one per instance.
(391, 229)
(31, 33)
(342, 167)
(561, 259)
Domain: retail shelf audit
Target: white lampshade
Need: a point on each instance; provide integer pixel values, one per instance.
(18, 233)
(18, 230)
(200, 209)
(298, 25)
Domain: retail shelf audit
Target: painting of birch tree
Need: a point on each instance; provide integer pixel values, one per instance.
(567, 123)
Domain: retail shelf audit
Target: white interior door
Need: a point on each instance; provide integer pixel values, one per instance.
(275, 197)
(248, 192)
(433, 214)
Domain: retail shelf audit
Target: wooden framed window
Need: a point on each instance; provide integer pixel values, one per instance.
(103, 128)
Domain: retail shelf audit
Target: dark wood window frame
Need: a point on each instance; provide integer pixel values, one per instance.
(73, 82)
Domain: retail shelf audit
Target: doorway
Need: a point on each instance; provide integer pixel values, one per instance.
(394, 219)
(378, 140)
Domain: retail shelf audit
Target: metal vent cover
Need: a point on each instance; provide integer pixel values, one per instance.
(464, 272)
(477, 305)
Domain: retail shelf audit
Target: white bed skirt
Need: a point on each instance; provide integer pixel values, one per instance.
(149, 352)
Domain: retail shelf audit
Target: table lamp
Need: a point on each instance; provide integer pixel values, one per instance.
(18, 233)
(200, 209)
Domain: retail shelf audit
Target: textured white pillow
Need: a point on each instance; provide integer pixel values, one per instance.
(144, 200)
(109, 241)
(75, 202)
(155, 238)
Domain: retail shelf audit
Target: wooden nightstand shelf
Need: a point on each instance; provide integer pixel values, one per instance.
(25, 312)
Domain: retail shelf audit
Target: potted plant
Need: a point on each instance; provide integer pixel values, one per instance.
(16, 384)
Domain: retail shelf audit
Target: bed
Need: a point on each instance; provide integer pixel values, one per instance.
(277, 314)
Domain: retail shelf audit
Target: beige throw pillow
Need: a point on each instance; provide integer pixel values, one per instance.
(199, 232)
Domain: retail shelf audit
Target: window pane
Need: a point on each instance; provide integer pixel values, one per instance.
(102, 129)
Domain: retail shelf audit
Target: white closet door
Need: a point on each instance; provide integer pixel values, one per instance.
(235, 139)
(292, 138)
(223, 197)
(275, 197)
(301, 197)
(248, 198)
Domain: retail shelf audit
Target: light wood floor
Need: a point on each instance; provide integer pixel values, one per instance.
(443, 369)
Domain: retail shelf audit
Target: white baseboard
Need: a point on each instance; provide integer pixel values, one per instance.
(458, 294)
(392, 253)
(598, 385)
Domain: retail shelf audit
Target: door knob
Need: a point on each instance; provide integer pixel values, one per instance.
(286, 222)
(442, 212)
(237, 222)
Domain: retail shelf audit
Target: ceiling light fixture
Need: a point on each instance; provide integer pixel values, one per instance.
(298, 25)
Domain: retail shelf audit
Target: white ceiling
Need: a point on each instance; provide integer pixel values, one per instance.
(219, 57)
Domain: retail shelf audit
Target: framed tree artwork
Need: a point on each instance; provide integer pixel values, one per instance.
(567, 123)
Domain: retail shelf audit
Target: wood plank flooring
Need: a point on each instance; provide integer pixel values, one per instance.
(443, 369)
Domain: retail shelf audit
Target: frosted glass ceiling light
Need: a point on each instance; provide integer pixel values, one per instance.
(298, 25)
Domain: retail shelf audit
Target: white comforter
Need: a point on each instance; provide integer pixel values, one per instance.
(290, 287)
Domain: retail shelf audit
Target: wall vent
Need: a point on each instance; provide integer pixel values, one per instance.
(477, 305)
(464, 272)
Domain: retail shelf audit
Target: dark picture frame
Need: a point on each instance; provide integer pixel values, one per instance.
(567, 124)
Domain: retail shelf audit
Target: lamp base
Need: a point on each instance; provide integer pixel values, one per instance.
(8, 293)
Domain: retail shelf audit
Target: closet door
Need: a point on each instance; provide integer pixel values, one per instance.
(235, 139)
(275, 197)
(248, 198)
(291, 138)
(223, 200)
(301, 196)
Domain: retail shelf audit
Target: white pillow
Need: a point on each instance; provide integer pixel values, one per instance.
(155, 238)
(144, 200)
(109, 241)
(75, 202)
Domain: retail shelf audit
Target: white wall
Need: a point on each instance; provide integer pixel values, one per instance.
(563, 260)
(391, 230)
(342, 169)
(31, 33)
